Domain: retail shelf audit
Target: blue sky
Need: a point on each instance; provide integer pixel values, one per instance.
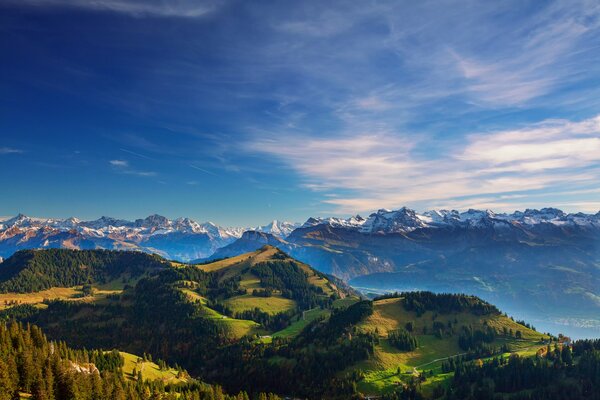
(241, 112)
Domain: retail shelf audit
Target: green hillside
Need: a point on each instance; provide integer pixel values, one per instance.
(262, 292)
(266, 322)
(256, 293)
(36, 270)
(437, 332)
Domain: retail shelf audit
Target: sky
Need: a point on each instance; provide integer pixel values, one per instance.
(240, 112)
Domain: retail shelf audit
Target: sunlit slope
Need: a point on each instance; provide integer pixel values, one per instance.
(255, 292)
(390, 366)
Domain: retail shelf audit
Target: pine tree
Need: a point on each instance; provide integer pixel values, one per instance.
(7, 386)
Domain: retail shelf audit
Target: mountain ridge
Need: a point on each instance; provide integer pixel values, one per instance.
(185, 239)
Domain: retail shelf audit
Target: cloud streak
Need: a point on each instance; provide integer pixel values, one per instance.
(136, 8)
(122, 167)
(10, 150)
(119, 163)
(389, 170)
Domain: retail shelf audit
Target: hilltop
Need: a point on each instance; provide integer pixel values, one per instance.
(443, 327)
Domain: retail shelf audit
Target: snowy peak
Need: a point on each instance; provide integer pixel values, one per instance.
(388, 221)
(405, 220)
(153, 221)
(545, 214)
(182, 238)
(19, 220)
(278, 228)
(354, 222)
(261, 237)
(153, 224)
(105, 222)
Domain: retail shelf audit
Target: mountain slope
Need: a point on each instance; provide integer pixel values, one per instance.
(249, 242)
(51, 370)
(32, 271)
(443, 326)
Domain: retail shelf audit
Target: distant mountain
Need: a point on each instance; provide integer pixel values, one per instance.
(406, 220)
(182, 238)
(250, 241)
(278, 228)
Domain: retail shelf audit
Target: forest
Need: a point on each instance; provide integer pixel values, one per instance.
(48, 370)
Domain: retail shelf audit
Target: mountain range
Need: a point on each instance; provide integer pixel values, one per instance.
(181, 239)
(531, 263)
(184, 239)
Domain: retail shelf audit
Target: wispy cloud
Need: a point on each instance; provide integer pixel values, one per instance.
(135, 154)
(138, 8)
(10, 150)
(371, 171)
(119, 163)
(122, 167)
(194, 166)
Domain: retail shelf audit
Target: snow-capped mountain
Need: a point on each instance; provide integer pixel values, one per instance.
(405, 220)
(388, 221)
(278, 228)
(354, 222)
(185, 239)
(182, 238)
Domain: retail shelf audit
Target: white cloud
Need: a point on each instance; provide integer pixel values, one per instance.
(140, 173)
(119, 163)
(10, 150)
(122, 167)
(383, 170)
(137, 8)
(549, 145)
(534, 58)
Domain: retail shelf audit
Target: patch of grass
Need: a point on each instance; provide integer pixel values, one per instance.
(345, 302)
(236, 327)
(240, 262)
(432, 382)
(37, 297)
(382, 381)
(304, 319)
(241, 327)
(271, 305)
(57, 293)
(250, 282)
(149, 370)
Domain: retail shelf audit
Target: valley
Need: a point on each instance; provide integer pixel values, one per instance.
(270, 321)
